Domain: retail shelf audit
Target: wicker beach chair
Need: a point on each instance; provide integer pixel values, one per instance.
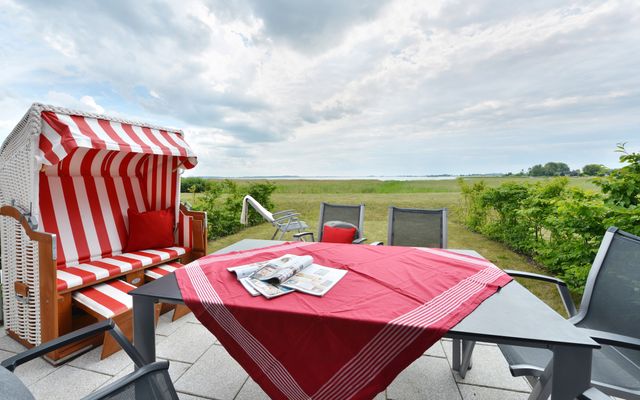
(68, 180)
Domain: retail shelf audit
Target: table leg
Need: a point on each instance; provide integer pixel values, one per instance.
(144, 327)
(467, 351)
(456, 354)
(567, 376)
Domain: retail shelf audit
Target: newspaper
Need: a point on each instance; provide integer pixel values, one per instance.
(315, 279)
(285, 274)
(282, 268)
(243, 272)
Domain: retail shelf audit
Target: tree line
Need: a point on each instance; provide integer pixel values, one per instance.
(562, 169)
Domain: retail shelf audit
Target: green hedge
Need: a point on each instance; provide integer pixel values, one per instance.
(223, 203)
(556, 225)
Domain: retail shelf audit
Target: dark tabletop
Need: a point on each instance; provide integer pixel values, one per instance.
(512, 315)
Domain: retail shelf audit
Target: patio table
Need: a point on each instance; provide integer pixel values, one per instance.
(512, 316)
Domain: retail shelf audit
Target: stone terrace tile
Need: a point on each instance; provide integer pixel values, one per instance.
(489, 369)
(202, 370)
(472, 392)
(8, 344)
(216, 374)
(186, 344)
(184, 396)
(436, 350)
(67, 383)
(166, 327)
(426, 378)
(251, 391)
(110, 365)
(32, 371)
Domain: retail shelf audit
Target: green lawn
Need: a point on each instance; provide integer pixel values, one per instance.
(305, 196)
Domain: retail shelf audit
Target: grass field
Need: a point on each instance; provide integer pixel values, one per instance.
(305, 196)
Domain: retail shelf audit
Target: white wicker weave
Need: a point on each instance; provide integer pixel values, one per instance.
(18, 183)
(19, 170)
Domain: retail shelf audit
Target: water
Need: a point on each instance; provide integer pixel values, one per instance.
(349, 178)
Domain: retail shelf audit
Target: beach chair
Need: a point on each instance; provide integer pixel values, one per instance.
(338, 220)
(150, 381)
(284, 221)
(609, 313)
(71, 183)
(417, 227)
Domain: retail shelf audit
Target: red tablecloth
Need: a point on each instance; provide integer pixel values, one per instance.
(391, 306)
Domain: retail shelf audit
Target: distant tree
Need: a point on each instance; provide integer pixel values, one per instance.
(551, 169)
(556, 169)
(575, 172)
(595, 170)
(194, 185)
(537, 170)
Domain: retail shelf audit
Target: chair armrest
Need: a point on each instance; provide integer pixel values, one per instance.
(613, 339)
(360, 240)
(286, 217)
(301, 235)
(283, 212)
(103, 326)
(565, 295)
(376, 243)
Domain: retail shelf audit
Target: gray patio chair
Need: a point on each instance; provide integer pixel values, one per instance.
(609, 313)
(417, 227)
(284, 221)
(341, 216)
(147, 382)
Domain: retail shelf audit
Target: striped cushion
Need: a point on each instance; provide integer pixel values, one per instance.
(162, 270)
(101, 268)
(106, 299)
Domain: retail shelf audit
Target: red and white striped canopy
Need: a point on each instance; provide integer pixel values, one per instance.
(63, 133)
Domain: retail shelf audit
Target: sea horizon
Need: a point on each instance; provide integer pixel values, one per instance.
(353, 177)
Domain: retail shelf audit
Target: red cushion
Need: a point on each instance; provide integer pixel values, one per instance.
(150, 230)
(333, 234)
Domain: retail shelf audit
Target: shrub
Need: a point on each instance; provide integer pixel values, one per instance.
(194, 184)
(559, 227)
(223, 203)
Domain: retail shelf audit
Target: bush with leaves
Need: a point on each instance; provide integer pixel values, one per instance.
(559, 227)
(194, 184)
(223, 203)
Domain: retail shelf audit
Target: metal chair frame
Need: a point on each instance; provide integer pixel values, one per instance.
(533, 371)
(107, 326)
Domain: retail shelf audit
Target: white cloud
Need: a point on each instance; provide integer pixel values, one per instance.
(320, 81)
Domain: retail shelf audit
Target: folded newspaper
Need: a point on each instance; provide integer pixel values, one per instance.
(286, 274)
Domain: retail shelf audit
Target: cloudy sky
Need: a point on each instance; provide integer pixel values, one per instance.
(333, 87)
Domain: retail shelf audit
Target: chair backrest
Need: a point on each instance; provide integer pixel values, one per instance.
(417, 227)
(266, 214)
(345, 213)
(611, 300)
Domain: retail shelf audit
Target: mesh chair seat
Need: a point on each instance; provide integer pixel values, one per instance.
(152, 380)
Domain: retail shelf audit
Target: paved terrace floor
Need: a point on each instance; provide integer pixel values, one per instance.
(202, 369)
